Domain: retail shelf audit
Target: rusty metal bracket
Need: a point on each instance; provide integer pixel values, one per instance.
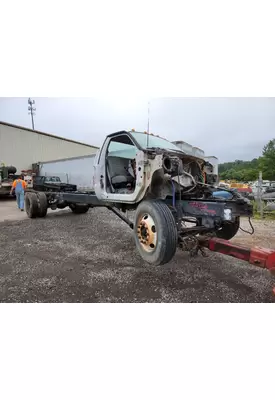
(192, 245)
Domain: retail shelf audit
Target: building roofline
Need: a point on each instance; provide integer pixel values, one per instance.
(47, 134)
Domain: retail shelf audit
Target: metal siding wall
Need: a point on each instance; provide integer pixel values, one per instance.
(23, 148)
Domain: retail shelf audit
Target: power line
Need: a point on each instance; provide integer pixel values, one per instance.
(31, 110)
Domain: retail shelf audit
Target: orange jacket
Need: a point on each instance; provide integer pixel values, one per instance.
(24, 184)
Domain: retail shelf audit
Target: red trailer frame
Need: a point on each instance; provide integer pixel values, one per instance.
(258, 256)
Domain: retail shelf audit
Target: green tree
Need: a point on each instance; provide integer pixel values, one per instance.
(250, 174)
(267, 161)
(249, 170)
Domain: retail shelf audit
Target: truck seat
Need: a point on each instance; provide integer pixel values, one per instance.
(118, 172)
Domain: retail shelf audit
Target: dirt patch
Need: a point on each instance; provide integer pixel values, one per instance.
(264, 235)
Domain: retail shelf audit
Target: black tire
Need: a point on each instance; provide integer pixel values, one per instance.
(31, 205)
(42, 204)
(158, 231)
(229, 229)
(79, 208)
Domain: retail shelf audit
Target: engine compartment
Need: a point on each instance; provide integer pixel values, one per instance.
(181, 175)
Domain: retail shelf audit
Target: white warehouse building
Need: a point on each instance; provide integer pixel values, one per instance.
(23, 147)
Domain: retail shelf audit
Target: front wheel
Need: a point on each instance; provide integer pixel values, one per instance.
(155, 232)
(229, 229)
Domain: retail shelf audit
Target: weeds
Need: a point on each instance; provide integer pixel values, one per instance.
(270, 215)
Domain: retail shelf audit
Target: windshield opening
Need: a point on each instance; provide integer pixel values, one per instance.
(146, 141)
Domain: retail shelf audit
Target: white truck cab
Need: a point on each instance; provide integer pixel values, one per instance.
(128, 161)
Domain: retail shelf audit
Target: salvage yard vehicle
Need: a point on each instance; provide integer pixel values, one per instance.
(7, 176)
(168, 189)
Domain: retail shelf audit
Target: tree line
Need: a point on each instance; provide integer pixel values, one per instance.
(246, 171)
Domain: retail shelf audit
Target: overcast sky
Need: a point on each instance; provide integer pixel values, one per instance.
(230, 128)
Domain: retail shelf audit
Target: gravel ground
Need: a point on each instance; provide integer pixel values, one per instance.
(92, 258)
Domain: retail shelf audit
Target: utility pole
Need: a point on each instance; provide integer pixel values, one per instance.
(148, 125)
(259, 193)
(31, 110)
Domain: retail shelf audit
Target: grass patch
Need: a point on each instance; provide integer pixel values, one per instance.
(268, 215)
